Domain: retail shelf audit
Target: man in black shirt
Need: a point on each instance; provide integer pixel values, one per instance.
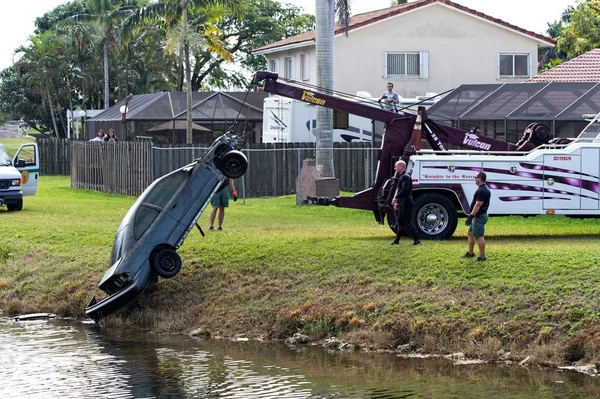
(403, 204)
(478, 217)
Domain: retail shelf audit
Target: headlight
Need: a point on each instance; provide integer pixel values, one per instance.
(16, 182)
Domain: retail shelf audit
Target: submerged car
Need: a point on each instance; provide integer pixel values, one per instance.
(159, 221)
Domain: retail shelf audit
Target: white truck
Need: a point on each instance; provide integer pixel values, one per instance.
(561, 179)
(19, 175)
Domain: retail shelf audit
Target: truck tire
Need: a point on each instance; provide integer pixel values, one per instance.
(15, 206)
(435, 217)
(166, 262)
(233, 164)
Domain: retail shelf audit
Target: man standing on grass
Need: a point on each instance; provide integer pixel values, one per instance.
(220, 201)
(403, 204)
(478, 217)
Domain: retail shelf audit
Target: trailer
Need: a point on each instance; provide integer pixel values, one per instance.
(537, 175)
(292, 121)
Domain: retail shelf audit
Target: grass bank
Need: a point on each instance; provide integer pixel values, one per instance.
(278, 269)
(12, 144)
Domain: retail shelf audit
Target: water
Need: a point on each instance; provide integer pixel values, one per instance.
(70, 359)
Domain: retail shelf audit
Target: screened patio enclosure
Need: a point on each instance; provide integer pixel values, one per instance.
(505, 110)
(213, 113)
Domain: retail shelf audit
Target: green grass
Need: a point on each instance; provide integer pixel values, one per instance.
(12, 144)
(279, 269)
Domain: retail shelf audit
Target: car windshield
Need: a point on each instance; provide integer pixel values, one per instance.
(4, 157)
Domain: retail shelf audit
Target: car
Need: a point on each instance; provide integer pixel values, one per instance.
(154, 228)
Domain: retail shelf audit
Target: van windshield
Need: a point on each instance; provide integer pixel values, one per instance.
(4, 158)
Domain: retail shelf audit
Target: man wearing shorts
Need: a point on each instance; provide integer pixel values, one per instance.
(220, 201)
(478, 217)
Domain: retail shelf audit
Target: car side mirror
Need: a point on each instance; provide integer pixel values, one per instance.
(19, 163)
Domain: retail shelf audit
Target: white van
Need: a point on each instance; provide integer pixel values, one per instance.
(19, 175)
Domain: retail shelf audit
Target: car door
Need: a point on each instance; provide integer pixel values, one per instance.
(30, 173)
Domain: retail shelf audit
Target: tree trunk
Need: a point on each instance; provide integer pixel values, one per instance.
(325, 13)
(52, 112)
(73, 120)
(188, 74)
(106, 80)
(180, 71)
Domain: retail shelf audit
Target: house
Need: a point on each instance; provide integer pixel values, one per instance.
(584, 68)
(160, 115)
(423, 46)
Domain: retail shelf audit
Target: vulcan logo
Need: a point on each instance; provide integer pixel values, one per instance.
(472, 140)
(309, 97)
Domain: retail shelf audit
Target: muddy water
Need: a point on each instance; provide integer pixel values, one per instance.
(70, 359)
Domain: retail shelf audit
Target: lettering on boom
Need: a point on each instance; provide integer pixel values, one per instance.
(472, 140)
(309, 97)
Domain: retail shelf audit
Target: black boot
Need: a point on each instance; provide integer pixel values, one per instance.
(417, 242)
(396, 241)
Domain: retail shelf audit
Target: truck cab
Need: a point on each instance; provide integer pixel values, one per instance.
(18, 175)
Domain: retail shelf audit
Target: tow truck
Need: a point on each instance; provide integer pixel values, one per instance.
(537, 175)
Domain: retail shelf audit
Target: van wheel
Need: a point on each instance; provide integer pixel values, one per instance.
(16, 206)
(435, 217)
(233, 164)
(166, 262)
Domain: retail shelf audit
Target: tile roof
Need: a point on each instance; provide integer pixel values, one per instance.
(584, 68)
(368, 18)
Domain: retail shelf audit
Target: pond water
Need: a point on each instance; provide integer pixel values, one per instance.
(71, 359)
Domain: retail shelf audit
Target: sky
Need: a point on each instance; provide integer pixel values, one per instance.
(19, 16)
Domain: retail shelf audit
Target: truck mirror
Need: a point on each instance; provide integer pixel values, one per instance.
(340, 119)
(19, 163)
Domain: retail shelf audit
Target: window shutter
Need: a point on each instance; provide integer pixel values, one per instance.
(424, 65)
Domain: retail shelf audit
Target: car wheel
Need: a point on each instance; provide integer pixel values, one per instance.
(435, 217)
(233, 164)
(165, 262)
(17, 206)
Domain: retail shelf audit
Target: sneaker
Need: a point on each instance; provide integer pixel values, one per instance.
(211, 228)
(220, 228)
(480, 259)
(468, 255)
(416, 242)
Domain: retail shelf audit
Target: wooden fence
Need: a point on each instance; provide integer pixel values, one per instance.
(55, 156)
(129, 167)
(122, 167)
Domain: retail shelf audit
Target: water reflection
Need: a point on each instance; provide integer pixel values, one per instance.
(67, 359)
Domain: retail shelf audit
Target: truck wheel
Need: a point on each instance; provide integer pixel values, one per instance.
(233, 164)
(16, 206)
(165, 262)
(435, 217)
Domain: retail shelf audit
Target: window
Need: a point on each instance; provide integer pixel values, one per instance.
(304, 67)
(513, 65)
(407, 64)
(288, 68)
(274, 66)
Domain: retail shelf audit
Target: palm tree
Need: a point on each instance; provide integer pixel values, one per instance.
(325, 30)
(39, 59)
(107, 14)
(201, 32)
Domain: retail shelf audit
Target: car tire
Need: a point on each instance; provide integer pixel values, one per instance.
(165, 262)
(434, 217)
(16, 206)
(233, 164)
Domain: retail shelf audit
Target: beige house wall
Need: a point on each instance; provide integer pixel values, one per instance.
(462, 49)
